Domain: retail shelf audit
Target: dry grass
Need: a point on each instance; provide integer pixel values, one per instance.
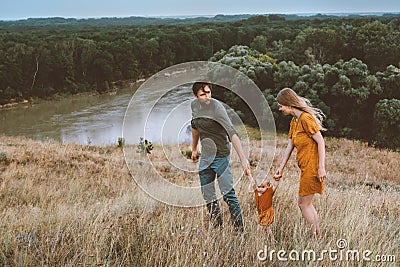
(74, 205)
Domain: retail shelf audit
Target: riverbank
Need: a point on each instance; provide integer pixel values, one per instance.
(68, 204)
(116, 86)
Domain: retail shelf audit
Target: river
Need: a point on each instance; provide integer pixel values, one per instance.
(98, 119)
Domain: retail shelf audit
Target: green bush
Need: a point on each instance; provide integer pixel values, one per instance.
(387, 122)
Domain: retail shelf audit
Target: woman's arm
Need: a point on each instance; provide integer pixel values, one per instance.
(275, 185)
(321, 155)
(286, 156)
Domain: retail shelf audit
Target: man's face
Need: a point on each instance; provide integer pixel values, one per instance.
(204, 95)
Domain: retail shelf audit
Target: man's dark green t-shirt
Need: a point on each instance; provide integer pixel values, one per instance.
(214, 127)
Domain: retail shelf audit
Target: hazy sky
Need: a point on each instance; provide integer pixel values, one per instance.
(21, 9)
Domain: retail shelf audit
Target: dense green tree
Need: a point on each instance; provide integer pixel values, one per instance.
(319, 45)
(287, 75)
(259, 43)
(378, 43)
(387, 122)
(390, 82)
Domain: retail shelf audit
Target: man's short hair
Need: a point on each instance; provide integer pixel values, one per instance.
(199, 86)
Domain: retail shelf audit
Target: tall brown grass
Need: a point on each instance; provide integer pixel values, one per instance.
(71, 205)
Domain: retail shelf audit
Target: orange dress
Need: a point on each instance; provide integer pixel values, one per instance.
(264, 207)
(301, 133)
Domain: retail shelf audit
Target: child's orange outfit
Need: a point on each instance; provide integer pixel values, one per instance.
(264, 207)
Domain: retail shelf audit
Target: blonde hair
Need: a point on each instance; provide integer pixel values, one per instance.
(262, 177)
(288, 97)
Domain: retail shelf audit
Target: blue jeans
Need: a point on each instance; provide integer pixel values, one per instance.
(210, 168)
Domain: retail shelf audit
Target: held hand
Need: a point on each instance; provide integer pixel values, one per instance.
(278, 174)
(252, 182)
(195, 155)
(253, 185)
(321, 174)
(246, 168)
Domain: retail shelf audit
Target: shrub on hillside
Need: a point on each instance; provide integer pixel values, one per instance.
(387, 121)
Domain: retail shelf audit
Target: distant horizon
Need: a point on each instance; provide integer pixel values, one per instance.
(306, 14)
(23, 9)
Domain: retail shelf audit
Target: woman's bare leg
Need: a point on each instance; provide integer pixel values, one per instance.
(309, 213)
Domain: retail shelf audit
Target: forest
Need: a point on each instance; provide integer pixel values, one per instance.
(347, 66)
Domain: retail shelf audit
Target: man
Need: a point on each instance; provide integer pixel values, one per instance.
(212, 126)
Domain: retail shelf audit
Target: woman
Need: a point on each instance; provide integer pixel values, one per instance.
(305, 136)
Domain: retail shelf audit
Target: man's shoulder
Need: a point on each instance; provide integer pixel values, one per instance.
(217, 103)
(217, 106)
(194, 102)
(195, 105)
(214, 104)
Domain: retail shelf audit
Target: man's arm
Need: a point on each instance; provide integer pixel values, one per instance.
(221, 116)
(195, 142)
(239, 150)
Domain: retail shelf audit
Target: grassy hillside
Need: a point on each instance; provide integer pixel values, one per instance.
(67, 204)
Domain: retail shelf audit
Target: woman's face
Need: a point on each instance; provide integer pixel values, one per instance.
(286, 110)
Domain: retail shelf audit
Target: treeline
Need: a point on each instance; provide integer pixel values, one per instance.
(350, 66)
(125, 21)
(357, 103)
(151, 21)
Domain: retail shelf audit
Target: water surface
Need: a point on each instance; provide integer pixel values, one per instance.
(98, 119)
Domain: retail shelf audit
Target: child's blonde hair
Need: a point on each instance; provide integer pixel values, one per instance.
(288, 97)
(262, 177)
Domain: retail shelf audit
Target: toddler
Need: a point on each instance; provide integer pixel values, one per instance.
(264, 188)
